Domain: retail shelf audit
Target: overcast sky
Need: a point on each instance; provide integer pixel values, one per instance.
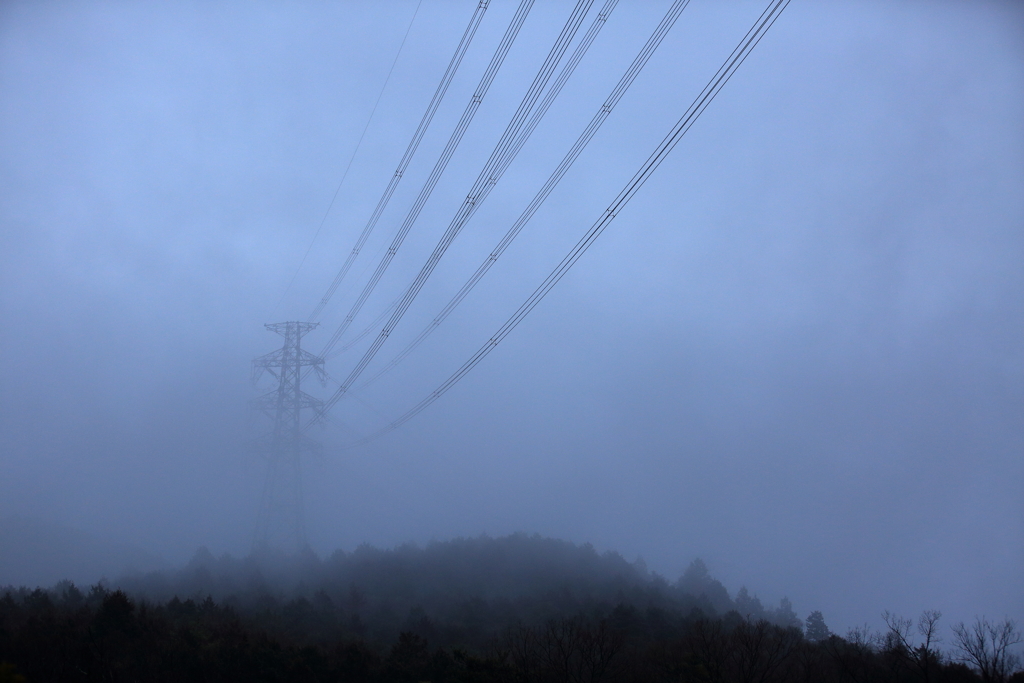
(797, 353)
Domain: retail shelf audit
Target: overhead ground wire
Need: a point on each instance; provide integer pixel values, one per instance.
(355, 151)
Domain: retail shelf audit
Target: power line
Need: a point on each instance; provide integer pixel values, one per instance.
(535, 118)
(453, 142)
(524, 135)
(442, 163)
(714, 86)
(410, 151)
(507, 147)
(584, 139)
(367, 330)
(355, 151)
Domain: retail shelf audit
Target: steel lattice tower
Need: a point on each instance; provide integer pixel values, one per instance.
(281, 520)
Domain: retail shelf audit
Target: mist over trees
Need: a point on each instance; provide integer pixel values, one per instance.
(515, 608)
(797, 352)
(461, 591)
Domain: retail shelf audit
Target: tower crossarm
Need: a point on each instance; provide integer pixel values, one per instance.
(269, 401)
(290, 358)
(290, 328)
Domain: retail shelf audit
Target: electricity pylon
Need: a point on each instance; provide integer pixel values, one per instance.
(281, 523)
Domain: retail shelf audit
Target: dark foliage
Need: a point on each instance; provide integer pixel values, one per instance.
(462, 593)
(503, 610)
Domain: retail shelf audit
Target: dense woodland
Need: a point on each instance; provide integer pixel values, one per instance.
(511, 609)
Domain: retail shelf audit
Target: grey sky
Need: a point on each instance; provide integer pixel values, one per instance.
(797, 354)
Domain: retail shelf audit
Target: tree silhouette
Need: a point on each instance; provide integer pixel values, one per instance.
(986, 647)
(815, 628)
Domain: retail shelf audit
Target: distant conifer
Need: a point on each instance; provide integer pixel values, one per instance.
(815, 629)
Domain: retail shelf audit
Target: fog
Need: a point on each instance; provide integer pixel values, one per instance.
(796, 354)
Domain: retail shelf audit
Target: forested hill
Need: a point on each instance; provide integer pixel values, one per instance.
(516, 608)
(456, 591)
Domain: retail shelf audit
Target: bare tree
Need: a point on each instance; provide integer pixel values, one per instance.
(562, 650)
(577, 650)
(761, 650)
(710, 647)
(988, 647)
(925, 655)
(854, 656)
(520, 648)
(896, 645)
(600, 644)
(899, 646)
